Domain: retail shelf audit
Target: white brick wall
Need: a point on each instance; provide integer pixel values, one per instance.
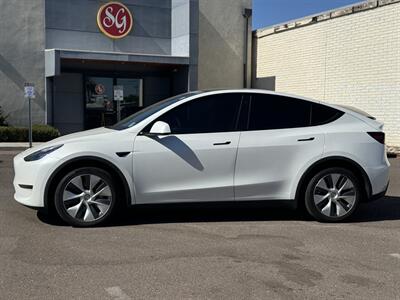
(353, 60)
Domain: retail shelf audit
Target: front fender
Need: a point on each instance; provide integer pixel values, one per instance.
(121, 165)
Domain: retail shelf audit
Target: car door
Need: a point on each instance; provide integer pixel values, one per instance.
(277, 144)
(196, 161)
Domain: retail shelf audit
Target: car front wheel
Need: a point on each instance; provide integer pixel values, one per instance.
(85, 197)
(332, 195)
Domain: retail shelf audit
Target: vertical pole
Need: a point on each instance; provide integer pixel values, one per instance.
(118, 111)
(247, 15)
(30, 122)
(246, 39)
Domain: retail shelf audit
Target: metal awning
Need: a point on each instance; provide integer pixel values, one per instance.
(53, 58)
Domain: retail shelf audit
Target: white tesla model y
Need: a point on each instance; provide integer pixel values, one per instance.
(231, 145)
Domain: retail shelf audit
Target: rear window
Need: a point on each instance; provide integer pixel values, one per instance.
(322, 114)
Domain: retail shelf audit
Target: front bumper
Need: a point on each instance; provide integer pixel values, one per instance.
(30, 180)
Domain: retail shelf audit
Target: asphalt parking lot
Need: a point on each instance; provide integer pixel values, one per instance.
(207, 253)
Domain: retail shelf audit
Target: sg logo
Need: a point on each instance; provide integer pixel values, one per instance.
(114, 20)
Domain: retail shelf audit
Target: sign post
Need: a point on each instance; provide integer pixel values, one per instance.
(118, 97)
(29, 91)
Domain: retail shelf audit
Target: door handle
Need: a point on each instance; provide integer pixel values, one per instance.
(306, 140)
(222, 144)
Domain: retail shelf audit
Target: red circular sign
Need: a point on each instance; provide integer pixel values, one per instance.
(99, 89)
(114, 20)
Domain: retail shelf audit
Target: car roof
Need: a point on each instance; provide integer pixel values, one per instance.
(352, 111)
(258, 91)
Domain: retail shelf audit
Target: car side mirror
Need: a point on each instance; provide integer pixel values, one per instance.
(160, 128)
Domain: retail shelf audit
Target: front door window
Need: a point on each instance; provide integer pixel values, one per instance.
(215, 113)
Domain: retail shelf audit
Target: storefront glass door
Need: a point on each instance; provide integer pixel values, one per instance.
(133, 100)
(100, 107)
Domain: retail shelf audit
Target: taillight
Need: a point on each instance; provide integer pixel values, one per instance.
(378, 136)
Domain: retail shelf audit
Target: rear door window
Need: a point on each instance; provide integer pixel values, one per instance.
(278, 112)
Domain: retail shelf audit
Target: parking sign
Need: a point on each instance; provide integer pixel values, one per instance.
(118, 93)
(29, 91)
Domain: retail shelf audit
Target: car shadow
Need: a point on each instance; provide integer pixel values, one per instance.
(194, 213)
(177, 146)
(385, 209)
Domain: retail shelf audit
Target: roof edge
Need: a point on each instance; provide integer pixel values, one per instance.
(322, 16)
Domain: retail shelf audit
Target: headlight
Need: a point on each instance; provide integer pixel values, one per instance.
(41, 153)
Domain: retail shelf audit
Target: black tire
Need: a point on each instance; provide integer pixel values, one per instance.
(106, 180)
(335, 204)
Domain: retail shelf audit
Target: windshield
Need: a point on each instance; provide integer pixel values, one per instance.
(148, 111)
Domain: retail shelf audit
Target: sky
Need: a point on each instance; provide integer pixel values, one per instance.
(271, 12)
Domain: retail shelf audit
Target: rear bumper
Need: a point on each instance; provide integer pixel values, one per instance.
(379, 195)
(379, 179)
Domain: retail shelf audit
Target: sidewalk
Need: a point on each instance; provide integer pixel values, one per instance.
(17, 145)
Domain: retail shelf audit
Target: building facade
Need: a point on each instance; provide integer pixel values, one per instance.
(348, 56)
(77, 51)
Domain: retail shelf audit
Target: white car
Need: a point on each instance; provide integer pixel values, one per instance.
(230, 145)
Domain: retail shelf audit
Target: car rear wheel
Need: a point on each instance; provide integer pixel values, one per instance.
(85, 197)
(332, 195)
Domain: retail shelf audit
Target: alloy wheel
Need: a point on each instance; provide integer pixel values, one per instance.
(87, 198)
(334, 195)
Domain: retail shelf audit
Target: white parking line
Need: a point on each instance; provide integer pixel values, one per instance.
(117, 293)
(396, 255)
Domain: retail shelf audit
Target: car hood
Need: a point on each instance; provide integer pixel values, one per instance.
(87, 135)
(78, 136)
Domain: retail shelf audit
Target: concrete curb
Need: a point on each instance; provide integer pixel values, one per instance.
(393, 150)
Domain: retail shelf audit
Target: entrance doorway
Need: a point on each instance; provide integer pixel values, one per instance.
(100, 107)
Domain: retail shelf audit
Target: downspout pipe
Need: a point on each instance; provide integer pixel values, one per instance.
(247, 13)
